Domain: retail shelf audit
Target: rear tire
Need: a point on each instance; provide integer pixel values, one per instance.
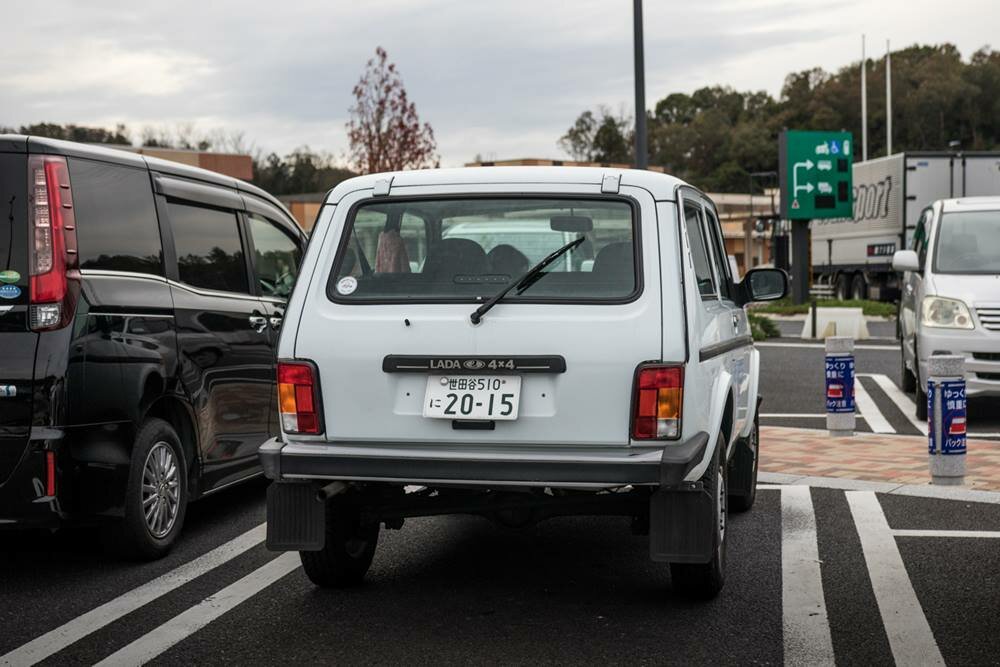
(920, 389)
(703, 581)
(156, 494)
(842, 287)
(349, 549)
(745, 463)
(859, 287)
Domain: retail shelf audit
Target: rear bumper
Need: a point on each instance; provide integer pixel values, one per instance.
(319, 461)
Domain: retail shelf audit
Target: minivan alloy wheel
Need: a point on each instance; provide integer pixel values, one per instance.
(160, 490)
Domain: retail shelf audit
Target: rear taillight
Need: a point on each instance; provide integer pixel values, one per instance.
(659, 395)
(298, 397)
(54, 277)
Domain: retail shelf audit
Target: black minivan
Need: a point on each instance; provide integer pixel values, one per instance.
(140, 302)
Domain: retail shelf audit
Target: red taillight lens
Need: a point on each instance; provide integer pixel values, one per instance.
(659, 395)
(50, 473)
(54, 278)
(298, 397)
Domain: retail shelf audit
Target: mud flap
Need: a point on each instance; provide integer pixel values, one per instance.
(681, 525)
(740, 470)
(296, 517)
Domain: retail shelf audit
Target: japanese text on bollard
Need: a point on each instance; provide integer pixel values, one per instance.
(953, 417)
(839, 383)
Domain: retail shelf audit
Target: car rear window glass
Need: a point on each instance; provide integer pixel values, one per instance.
(968, 242)
(115, 217)
(208, 247)
(469, 249)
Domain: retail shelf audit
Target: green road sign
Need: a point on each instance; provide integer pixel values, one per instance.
(815, 173)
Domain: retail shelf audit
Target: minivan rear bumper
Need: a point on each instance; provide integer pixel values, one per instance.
(367, 462)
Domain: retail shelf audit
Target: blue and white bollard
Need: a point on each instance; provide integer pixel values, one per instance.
(946, 419)
(840, 417)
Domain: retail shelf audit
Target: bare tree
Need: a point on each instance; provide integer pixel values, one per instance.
(384, 131)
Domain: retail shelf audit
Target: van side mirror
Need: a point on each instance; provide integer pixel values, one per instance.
(905, 260)
(763, 285)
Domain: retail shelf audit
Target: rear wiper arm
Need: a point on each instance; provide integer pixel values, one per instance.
(525, 279)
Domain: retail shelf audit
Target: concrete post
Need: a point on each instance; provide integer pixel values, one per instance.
(946, 419)
(840, 417)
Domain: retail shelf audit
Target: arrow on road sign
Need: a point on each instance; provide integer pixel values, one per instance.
(808, 164)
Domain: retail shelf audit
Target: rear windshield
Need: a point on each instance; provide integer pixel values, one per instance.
(969, 242)
(469, 249)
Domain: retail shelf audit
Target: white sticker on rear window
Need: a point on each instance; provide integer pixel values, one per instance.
(347, 285)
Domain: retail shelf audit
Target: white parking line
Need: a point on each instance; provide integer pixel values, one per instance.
(56, 640)
(902, 401)
(806, 626)
(910, 636)
(796, 415)
(870, 411)
(185, 624)
(989, 534)
(820, 346)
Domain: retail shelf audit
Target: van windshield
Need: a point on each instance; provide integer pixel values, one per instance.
(467, 249)
(968, 242)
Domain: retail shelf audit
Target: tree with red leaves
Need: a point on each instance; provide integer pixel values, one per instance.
(384, 131)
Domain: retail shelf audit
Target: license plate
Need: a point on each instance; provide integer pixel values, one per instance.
(472, 396)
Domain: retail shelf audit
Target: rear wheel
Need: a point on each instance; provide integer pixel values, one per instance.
(349, 549)
(859, 287)
(920, 393)
(705, 580)
(842, 287)
(156, 494)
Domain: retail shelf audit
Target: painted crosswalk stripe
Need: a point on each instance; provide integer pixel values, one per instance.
(185, 624)
(902, 401)
(910, 636)
(866, 406)
(56, 640)
(804, 619)
(903, 532)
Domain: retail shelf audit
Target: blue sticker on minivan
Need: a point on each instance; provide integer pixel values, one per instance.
(9, 291)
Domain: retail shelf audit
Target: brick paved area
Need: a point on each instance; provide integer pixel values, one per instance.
(878, 458)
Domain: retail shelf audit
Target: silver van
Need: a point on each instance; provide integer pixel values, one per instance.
(951, 294)
(516, 343)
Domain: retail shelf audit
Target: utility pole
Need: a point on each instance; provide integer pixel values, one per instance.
(888, 99)
(864, 104)
(641, 153)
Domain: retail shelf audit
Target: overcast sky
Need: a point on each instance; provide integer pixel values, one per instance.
(500, 78)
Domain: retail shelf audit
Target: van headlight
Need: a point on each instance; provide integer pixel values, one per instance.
(937, 311)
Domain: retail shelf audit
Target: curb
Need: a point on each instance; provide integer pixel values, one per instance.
(890, 488)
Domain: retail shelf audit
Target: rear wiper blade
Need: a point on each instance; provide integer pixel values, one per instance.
(525, 279)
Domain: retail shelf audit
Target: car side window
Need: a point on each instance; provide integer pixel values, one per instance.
(208, 247)
(699, 249)
(116, 218)
(718, 250)
(276, 257)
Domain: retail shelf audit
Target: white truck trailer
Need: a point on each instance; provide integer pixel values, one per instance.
(853, 256)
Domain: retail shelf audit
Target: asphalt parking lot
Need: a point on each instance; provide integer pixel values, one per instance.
(813, 575)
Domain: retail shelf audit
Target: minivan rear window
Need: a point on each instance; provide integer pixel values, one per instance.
(467, 249)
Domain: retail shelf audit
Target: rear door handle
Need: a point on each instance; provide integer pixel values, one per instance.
(736, 322)
(257, 322)
(275, 321)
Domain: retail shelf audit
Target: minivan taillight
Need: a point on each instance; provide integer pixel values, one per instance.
(659, 395)
(298, 397)
(54, 277)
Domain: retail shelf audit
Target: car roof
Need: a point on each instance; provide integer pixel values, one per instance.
(123, 157)
(661, 186)
(970, 204)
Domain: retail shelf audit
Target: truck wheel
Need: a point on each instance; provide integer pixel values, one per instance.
(350, 546)
(156, 493)
(705, 580)
(743, 471)
(842, 287)
(859, 287)
(909, 381)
